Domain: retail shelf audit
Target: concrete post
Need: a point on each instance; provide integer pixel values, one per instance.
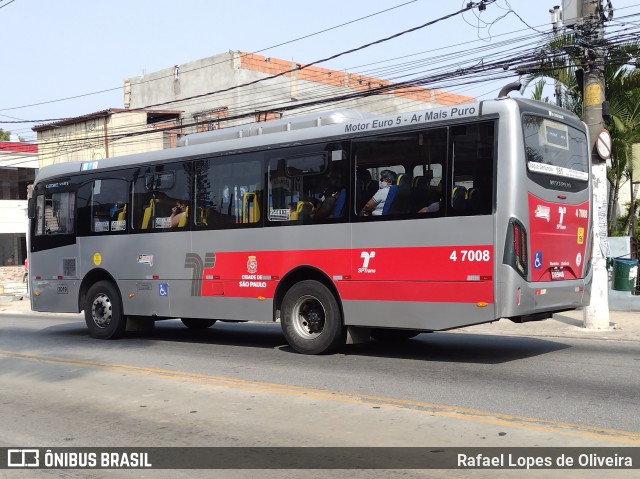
(596, 315)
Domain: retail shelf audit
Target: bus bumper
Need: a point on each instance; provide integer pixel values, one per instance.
(535, 301)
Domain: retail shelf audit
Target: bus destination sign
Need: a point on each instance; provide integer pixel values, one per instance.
(415, 118)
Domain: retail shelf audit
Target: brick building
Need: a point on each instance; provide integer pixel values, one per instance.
(206, 90)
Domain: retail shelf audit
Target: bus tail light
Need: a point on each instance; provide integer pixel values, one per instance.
(516, 251)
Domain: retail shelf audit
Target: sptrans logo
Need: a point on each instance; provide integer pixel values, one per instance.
(366, 258)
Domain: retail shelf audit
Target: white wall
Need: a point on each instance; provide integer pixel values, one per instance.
(620, 246)
(14, 216)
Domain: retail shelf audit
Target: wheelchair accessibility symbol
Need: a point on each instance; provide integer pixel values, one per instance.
(537, 259)
(163, 289)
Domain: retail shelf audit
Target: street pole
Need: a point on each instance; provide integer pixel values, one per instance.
(596, 315)
(555, 19)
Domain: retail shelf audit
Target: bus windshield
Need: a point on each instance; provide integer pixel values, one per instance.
(555, 149)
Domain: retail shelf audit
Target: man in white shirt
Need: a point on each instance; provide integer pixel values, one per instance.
(375, 205)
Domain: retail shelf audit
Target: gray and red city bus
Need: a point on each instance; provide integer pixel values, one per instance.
(488, 216)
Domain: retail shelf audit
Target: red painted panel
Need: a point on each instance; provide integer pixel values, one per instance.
(439, 273)
(558, 237)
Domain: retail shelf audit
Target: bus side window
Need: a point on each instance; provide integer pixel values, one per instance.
(108, 205)
(55, 213)
(309, 185)
(39, 215)
(472, 169)
(228, 193)
(161, 199)
(51, 220)
(397, 176)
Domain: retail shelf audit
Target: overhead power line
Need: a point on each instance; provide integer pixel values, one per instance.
(469, 6)
(7, 4)
(456, 73)
(46, 102)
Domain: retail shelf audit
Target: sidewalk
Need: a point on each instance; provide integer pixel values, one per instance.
(624, 325)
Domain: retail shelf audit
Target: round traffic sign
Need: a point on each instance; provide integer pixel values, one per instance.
(603, 145)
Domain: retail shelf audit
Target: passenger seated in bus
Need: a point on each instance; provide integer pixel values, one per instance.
(301, 211)
(375, 205)
(459, 198)
(331, 198)
(116, 208)
(179, 214)
(434, 198)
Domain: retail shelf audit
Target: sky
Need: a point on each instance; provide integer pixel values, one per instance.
(68, 58)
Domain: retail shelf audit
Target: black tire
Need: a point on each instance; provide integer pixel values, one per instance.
(391, 335)
(311, 319)
(195, 323)
(103, 311)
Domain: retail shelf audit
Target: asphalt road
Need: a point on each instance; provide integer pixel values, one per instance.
(240, 385)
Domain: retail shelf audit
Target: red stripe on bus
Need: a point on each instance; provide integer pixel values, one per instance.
(436, 273)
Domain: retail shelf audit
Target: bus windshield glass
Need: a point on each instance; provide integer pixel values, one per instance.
(556, 153)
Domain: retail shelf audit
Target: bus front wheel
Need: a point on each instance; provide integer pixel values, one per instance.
(103, 311)
(311, 319)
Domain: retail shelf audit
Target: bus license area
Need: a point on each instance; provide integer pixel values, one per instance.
(557, 274)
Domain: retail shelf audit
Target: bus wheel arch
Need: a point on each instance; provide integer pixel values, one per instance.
(91, 278)
(311, 313)
(296, 275)
(102, 304)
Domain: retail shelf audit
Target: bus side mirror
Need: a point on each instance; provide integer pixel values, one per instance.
(31, 208)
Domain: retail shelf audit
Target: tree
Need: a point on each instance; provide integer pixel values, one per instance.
(564, 62)
(624, 93)
(4, 135)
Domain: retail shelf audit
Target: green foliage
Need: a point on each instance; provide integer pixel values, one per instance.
(4, 135)
(622, 89)
(538, 89)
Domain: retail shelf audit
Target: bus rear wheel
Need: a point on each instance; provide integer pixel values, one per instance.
(103, 311)
(195, 323)
(311, 319)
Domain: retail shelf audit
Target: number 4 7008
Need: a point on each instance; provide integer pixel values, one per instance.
(471, 255)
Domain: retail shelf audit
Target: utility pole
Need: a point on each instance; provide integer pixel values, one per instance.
(555, 19)
(596, 315)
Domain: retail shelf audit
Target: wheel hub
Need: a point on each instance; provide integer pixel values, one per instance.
(101, 311)
(308, 317)
(315, 320)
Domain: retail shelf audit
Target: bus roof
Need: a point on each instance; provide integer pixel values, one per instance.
(291, 123)
(304, 128)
